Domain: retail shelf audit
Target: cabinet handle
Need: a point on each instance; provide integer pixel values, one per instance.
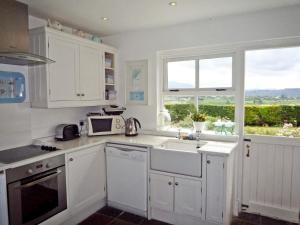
(78, 95)
(208, 161)
(176, 183)
(82, 94)
(170, 183)
(248, 150)
(71, 159)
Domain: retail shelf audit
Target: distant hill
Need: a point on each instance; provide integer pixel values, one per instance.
(288, 92)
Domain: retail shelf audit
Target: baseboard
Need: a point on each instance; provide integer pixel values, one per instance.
(177, 219)
(291, 215)
(127, 208)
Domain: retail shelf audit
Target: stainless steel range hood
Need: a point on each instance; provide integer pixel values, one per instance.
(14, 36)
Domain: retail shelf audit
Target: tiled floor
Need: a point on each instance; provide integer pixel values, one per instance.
(252, 219)
(111, 216)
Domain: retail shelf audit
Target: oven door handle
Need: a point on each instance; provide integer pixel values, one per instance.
(40, 180)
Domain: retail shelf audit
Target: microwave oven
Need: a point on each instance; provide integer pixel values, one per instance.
(105, 125)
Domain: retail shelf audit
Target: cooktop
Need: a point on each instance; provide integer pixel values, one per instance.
(24, 152)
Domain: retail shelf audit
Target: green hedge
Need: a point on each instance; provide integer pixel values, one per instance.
(256, 115)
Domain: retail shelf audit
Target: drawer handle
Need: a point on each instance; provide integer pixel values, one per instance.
(208, 161)
(176, 183)
(82, 94)
(71, 159)
(170, 183)
(78, 95)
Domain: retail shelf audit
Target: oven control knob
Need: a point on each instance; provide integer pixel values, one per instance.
(118, 126)
(30, 171)
(48, 165)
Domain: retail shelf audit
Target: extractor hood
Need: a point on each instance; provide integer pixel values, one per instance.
(14, 36)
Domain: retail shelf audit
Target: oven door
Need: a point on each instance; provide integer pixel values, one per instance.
(35, 199)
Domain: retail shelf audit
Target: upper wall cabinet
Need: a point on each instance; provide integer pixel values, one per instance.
(77, 78)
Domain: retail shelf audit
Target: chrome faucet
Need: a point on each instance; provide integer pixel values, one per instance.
(178, 135)
(198, 132)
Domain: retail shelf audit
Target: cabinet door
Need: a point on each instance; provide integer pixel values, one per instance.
(214, 188)
(86, 176)
(64, 73)
(161, 192)
(188, 197)
(91, 73)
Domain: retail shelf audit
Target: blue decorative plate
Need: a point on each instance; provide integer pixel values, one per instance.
(12, 87)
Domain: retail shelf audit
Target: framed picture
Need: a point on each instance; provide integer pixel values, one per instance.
(137, 82)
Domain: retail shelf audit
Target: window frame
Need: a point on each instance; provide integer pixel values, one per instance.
(198, 92)
(197, 88)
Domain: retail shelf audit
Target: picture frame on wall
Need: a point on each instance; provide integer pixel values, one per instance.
(137, 82)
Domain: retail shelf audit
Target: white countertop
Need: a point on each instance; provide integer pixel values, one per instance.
(223, 148)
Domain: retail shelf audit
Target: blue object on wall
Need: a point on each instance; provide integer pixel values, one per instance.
(12, 87)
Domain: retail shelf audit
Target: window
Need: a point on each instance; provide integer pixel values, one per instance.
(181, 74)
(204, 85)
(272, 92)
(204, 73)
(215, 73)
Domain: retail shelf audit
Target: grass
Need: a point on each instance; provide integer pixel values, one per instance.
(274, 131)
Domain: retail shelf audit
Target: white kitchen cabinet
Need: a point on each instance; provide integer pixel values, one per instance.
(77, 78)
(188, 197)
(86, 177)
(161, 192)
(91, 73)
(173, 194)
(64, 73)
(214, 188)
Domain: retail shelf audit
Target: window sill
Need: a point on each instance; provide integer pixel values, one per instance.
(203, 136)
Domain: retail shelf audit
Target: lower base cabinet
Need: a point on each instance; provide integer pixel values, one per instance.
(173, 194)
(86, 177)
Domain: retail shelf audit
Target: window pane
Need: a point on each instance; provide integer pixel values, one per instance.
(272, 98)
(181, 74)
(180, 109)
(220, 112)
(215, 73)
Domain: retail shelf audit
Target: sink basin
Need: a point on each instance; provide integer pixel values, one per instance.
(177, 156)
(181, 145)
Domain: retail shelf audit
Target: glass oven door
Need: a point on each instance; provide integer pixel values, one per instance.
(35, 199)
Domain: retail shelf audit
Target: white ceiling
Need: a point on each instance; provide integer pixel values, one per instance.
(126, 15)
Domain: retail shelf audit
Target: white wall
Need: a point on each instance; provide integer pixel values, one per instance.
(19, 123)
(223, 30)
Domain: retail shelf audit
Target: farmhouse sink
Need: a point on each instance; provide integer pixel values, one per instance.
(181, 145)
(177, 156)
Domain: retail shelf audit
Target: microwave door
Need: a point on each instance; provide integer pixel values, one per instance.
(101, 126)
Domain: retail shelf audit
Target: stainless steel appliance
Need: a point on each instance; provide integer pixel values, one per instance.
(24, 152)
(14, 37)
(131, 126)
(105, 125)
(66, 132)
(36, 191)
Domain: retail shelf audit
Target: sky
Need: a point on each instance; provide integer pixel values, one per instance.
(264, 69)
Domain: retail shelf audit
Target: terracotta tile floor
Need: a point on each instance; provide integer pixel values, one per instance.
(112, 216)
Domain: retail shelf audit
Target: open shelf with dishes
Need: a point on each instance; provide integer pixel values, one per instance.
(110, 76)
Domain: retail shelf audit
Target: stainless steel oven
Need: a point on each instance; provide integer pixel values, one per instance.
(36, 191)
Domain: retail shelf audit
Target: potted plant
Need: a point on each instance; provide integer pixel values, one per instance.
(198, 121)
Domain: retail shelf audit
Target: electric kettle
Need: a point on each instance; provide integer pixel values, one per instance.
(130, 126)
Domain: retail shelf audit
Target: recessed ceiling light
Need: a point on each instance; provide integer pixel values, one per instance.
(172, 3)
(104, 18)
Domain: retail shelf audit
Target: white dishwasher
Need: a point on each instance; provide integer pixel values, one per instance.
(127, 178)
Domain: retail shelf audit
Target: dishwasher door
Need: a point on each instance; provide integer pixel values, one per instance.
(127, 176)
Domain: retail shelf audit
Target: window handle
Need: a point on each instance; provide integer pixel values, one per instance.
(221, 89)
